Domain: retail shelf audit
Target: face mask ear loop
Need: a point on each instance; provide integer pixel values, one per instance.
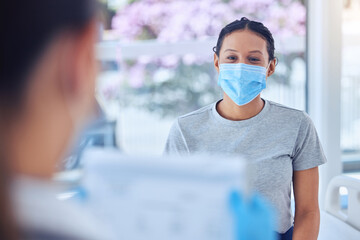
(267, 68)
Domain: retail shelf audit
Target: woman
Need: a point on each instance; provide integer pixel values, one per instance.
(281, 142)
(47, 75)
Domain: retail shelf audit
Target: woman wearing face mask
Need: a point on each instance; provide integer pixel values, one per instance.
(47, 84)
(280, 142)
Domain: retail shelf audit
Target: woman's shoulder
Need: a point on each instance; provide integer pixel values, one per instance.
(288, 116)
(197, 115)
(281, 110)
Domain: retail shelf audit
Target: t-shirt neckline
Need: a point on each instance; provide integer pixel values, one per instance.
(240, 123)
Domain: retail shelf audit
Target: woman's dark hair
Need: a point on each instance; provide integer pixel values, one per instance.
(246, 24)
(26, 29)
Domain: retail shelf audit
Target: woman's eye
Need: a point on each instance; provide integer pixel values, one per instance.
(232, 58)
(251, 59)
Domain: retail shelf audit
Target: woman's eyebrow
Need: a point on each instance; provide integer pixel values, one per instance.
(233, 50)
(256, 51)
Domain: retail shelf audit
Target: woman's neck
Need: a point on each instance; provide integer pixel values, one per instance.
(231, 111)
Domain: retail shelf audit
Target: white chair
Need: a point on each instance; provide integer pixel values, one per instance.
(337, 223)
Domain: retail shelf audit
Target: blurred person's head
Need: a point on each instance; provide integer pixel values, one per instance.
(47, 79)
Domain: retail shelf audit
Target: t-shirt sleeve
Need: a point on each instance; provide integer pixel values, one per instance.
(307, 152)
(175, 144)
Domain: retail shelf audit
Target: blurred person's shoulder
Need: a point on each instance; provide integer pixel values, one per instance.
(41, 215)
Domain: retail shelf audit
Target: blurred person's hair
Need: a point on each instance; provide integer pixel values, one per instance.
(253, 26)
(27, 27)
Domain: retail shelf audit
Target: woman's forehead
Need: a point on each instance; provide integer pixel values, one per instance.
(244, 40)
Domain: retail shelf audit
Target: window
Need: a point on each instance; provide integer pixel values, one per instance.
(350, 86)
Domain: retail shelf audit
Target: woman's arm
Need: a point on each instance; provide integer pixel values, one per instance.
(307, 214)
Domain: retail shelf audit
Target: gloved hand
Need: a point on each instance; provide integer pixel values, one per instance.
(254, 217)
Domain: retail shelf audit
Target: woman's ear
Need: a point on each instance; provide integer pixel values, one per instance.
(271, 68)
(216, 62)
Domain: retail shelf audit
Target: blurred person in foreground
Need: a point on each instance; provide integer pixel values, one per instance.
(47, 75)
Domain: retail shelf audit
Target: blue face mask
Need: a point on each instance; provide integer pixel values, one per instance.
(242, 82)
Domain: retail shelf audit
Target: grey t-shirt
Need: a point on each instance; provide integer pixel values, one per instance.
(277, 141)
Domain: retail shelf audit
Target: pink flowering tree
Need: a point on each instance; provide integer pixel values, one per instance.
(173, 85)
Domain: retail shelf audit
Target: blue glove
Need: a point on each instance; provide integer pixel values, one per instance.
(254, 218)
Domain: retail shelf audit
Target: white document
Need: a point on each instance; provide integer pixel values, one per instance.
(163, 198)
